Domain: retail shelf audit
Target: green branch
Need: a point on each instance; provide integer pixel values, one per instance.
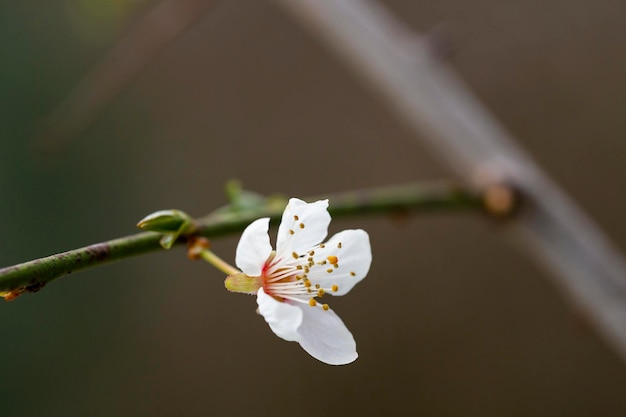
(33, 275)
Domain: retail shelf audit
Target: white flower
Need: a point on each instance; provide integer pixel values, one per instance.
(288, 282)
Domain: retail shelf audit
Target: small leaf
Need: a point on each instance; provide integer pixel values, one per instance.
(168, 240)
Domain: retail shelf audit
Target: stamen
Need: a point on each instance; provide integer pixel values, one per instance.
(295, 255)
(307, 283)
(312, 302)
(322, 246)
(335, 288)
(352, 273)
(296, 218)
(317, 286)
(312, 253)
(332, 259)
(291, 232)
(320, 292)
(288, 286)
(325, 307)
(336, 265)
(339, 245)
(301, 225)
(329, 270)
(279, 276)
(295, 298)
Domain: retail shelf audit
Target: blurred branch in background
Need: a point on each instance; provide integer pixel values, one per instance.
(143, 43)
(428, 95)
(400, 199)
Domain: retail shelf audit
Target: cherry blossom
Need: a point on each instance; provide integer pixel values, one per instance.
(290, 281)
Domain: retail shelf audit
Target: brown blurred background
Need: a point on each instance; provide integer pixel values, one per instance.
(450, 321)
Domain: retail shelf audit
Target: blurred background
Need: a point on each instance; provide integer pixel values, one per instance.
(451, 319)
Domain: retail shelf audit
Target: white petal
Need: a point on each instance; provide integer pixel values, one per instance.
(254, 248)
(354, 258)
(284, 318)
(324, 336)
(310, 228)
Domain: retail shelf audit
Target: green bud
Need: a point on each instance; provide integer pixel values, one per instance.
(242, 283)
(171, 223)
(165, 221)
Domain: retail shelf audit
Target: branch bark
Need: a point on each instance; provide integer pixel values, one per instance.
(424, 197)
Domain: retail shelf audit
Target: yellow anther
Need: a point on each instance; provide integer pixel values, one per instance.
(298, 277)
(329, 270)
(312, 253)
(312, 302)
(336, 265)
(322, 245)
(352, 273)
(299, 267)
(295, 255)
(339, 245)
(317, 285)
(291, 232)
(332, 259)
(301, 225)
(306, 269)
(320, 292)
(335, 288)
(296, 218)
(325, 307)
(307, 283)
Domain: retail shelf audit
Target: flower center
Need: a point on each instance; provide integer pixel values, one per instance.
(292, 277)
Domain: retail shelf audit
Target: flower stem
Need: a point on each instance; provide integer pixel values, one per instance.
(33, 275)
(218, 262)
